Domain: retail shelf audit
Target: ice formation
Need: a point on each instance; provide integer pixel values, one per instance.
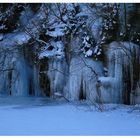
(123, 73)
(65, 51)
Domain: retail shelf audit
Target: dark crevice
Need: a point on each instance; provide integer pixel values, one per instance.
(43, 78)
(10, 81)
(31, 88)
(82, 95)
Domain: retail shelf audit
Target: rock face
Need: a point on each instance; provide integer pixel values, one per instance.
(129, 14)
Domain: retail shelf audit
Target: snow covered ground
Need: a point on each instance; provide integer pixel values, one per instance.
(43, 116)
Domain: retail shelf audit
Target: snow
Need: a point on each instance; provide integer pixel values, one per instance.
(99, 53)
(96, 49)
(1, 36)
(58, 50)
(57, 94)
(58, 32)
(21, 38)
(41, 116)
(26, 16)
(2, 26)
(88, 53)
(14, 39)
(82, 14)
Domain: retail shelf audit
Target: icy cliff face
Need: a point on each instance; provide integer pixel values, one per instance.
(83, 74)
(82, 79)
(123, 73)
(58, 75)
(76, 77)
(59, 50)
(76, 80)
(17, 76)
